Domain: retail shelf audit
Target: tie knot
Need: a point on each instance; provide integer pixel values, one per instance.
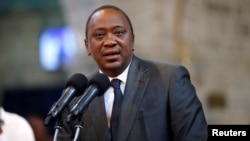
(115, 83)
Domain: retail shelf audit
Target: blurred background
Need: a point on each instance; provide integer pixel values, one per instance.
(42, 45)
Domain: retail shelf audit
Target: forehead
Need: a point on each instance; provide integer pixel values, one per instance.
(106, 17)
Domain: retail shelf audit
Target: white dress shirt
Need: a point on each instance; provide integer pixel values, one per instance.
(109, 94)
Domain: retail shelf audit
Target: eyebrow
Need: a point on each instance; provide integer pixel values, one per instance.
(113, 27)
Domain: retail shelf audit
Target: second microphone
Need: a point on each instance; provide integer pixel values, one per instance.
(97, 85)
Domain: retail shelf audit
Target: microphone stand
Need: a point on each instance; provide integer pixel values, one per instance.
(79, 126)
(57, 127)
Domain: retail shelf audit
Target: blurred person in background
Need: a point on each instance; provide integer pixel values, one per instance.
(14, 127)
(40, 131)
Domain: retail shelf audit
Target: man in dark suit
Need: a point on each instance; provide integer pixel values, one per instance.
(159, 102)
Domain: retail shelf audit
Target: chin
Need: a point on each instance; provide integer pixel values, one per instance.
(113, 66)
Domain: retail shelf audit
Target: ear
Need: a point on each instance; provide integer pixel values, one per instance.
(133, 41)
(87, 46)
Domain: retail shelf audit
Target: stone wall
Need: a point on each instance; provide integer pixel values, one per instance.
(210, 38)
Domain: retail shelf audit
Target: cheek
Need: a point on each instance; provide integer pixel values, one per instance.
(129, 46)
(96, 52)
(94, 46)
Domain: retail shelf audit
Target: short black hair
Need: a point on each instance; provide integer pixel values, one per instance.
(108, 7)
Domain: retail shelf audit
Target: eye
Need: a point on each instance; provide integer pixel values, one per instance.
(99, 35)
(119, 32)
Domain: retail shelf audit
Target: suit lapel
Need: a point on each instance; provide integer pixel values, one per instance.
(135, 87)
(98, 117)
(136, 83)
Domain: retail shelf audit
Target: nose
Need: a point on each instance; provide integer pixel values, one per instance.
(110, 42)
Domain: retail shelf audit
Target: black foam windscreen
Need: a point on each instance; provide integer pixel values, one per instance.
(79, 82)
(100, 80)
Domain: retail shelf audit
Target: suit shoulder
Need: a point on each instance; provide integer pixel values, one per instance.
(163, 66)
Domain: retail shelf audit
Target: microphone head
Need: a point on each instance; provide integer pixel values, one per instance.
(101, 81)
(79, 82)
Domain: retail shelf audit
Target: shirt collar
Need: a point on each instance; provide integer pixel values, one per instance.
(123, 76)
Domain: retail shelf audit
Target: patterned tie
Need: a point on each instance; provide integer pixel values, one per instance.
(115, 116)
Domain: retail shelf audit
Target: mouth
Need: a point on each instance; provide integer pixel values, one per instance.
(111, 56)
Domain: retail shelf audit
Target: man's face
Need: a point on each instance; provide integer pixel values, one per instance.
(110, 41)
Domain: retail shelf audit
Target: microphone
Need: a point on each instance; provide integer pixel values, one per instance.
(97, 86)
(74, 87)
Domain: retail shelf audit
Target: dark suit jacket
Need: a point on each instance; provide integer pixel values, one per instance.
(159, 104)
